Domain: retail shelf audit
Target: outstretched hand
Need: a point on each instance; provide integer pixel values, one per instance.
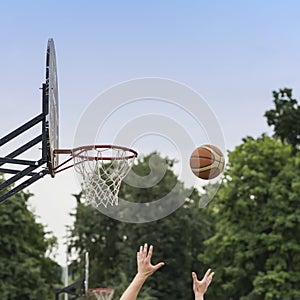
(144, 270)
(145, 267)
(200, 286)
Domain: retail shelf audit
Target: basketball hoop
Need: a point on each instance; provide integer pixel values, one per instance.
(102, 293)
(102, 169)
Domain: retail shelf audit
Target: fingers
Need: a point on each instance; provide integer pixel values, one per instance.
(206, 278)
(150, 251)
(209, 275)
(144, 253)
(206, 275)
(139, 254)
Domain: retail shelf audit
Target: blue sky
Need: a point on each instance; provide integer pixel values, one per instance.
(233, 53)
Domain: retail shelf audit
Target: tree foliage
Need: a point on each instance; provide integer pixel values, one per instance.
(256, 215)
(26, 272)
(285, 117)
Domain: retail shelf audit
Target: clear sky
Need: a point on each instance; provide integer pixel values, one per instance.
(233, 53)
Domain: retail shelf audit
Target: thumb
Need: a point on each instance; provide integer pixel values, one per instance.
(194, 276)
(159, 265)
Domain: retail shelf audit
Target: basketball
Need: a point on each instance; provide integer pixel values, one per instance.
(207, 162)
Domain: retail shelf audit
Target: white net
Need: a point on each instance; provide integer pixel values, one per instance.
(102, 169)
(102, 293)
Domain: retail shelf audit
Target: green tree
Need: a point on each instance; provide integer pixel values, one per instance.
(285, 117)
(281, 275)
(177, 238)
(26, 272)
(256, 215)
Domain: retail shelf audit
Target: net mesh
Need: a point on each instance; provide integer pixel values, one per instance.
(102, 170)
(102, 293)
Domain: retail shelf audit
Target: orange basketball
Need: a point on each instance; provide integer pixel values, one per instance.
(207, 162)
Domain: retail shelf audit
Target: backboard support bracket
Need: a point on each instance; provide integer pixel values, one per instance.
(31, 166)
(79, 288)
(71, 290)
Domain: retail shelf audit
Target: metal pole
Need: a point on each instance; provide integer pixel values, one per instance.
(66, 273)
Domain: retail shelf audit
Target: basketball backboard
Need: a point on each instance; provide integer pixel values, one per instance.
(51, 95)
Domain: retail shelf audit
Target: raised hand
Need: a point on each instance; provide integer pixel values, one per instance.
(144, 270)
(200, 286)
(143, 257)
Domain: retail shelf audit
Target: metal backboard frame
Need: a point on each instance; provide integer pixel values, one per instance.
(52, 117)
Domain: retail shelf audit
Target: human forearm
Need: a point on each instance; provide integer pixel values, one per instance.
(134, 288)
